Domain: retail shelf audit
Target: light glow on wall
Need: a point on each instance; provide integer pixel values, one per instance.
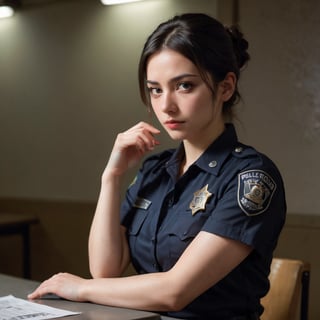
(110, 2)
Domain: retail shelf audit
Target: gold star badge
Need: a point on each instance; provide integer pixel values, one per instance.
(199, 200)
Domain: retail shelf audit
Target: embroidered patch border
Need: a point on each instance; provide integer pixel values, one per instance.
(255, 191)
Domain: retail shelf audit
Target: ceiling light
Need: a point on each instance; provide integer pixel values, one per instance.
(109, 2)
(7, 7)
(6, 12)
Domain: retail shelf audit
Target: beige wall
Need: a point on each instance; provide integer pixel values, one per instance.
(68, 84)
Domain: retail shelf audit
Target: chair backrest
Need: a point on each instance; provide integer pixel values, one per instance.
(287, 298)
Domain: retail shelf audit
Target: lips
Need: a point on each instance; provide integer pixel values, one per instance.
(173, 124)
(173, 121)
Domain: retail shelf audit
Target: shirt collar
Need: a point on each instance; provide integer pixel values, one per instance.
(214, 156)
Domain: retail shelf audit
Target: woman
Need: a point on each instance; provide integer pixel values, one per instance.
(199, 223)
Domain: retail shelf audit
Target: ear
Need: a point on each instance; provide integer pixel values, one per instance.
(228, 85)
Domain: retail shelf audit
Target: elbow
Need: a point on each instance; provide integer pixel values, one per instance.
(105, 269)
(98, 273)
(174, 307)
(175, 302)
(177, 305)
(95, 271)
(175, 294)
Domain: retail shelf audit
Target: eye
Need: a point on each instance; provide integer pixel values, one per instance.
(154, 91)
(184, 86)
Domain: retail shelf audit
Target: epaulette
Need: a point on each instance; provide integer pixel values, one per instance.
(244, 151)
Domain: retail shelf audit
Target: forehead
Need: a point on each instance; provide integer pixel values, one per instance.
(169, 64)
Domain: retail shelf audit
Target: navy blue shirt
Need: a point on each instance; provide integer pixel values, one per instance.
(232, 191)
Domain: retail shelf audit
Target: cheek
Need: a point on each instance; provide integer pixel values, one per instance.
(155, 106)
(198, 103)
(156, 109)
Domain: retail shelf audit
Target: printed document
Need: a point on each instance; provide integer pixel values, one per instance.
(12, 308)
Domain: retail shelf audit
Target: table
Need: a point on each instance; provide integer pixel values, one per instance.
(21, 287)
(18, 223)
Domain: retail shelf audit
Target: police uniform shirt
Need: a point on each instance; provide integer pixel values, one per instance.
(232, 191)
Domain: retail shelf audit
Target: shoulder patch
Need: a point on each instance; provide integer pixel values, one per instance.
(255, 191)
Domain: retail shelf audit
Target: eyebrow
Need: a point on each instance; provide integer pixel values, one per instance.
(177, 78)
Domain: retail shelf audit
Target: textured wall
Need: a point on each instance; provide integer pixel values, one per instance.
(281, 110)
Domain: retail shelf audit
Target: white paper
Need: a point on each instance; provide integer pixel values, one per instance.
(12, 308)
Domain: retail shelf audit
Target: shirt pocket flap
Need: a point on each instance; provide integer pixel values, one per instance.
(137, 222)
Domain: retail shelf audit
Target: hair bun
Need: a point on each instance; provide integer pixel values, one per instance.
(240, 45)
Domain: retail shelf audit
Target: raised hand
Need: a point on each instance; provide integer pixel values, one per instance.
(130, 146)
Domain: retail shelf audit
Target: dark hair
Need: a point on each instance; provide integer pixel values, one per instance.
(211, 47)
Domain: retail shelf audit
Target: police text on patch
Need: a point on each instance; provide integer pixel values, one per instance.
(255, 191)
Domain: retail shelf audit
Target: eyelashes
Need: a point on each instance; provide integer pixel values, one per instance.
(154, 91)
(183, 87)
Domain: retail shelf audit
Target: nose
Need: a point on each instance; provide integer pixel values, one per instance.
(169, 103)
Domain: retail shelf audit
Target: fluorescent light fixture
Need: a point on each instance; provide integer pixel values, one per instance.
(6, 12)
(7, 7)
(109, 2)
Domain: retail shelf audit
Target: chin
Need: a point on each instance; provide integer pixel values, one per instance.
(175, 136)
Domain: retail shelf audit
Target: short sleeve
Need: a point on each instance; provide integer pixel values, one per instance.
(251, 210)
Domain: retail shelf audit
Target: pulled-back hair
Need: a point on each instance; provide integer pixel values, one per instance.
(212, 48)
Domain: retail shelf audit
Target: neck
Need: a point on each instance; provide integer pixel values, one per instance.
(193, 151)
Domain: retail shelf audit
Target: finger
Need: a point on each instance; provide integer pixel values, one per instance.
(38, 293)
(148, 127)
(44, 288)
(140, 137)
(148, 138)
(146, 141)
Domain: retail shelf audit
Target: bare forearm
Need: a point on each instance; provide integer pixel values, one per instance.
(153, 292)
(207, 260)
(107, 248)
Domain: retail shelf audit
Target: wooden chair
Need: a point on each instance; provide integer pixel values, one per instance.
(289, 289)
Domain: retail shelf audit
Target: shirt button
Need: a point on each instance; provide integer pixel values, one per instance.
(238, 149)
(213, 164)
